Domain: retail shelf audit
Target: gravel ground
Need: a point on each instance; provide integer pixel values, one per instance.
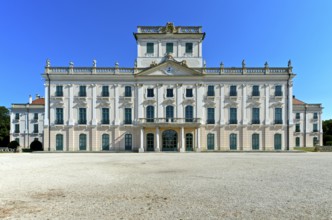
(166, 186)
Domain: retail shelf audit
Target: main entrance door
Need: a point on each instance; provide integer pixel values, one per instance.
(170, 140)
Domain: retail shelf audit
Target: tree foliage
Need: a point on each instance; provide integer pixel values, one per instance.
(4, 125)
(327, 131)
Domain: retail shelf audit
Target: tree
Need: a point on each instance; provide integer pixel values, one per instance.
(327, 131)
(4, 126)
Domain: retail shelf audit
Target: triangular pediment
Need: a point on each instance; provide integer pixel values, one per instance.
(169, 68)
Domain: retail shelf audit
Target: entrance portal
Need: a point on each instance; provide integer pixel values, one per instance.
(170, 140)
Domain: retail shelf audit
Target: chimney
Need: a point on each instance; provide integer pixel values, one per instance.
(30, 99)
(37, 96)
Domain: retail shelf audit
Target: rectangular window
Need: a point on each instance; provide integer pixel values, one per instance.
(169, 93)
(210, 141)
(128, 142)
(35, 116)
(169, 48)
(189, 47)
(255, 91)
(82, 92)
(232, 116)
(128, 91)
(278, 91)
(17, 116)
(315, 128)
(17, 128)
(255, 116)
(127, 116)
(35, 128)
(149, 48)
(297, 116)
(189, 92)
(297, 142)
(59, 116)
(105, 91)
(232, 91)
(59, 91)
(82, 116)
(17, 140)
(278, 116)
(150, 93)
(297, 128)
(210, 116)
(210, 91)
(315, 115)
(105, 116)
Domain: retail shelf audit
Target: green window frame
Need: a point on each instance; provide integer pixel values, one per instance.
(59, 116)
(278, 91)
(82, 116)
(189, 113)
(255, 116)
(105, 116)
(105, 91)
(17, 140)
(189, 142)
(17, 128)
(210, 141)
(297, 128)
(105, 141)
(150, 48)
(233, 141)
(82, 142)
(150, 142)
(189, 92)
(128, 142)
(210, 91)
(315, 115)
(17, 116)
(59, 142)
(35, 128)
(277, 142)
(169, 48)
(128, 119)
(255, 91)
(82, 92)
(169, 113)
(297, 142)
(150, 113)
(315, 127)
(189, 47)
(210, 116)
(232, 91)
(128, 91)
(169, 93)
(255, 141)
(278, 115)
(232, 115)
(59, 91)
(35, 116)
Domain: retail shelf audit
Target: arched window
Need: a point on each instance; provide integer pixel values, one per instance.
(59, 142)
(150, 113)
(189, 142)
(255, 141)
(169, 113)
(277, 141)
(82, 141)
(233, 141)
(128, 142)
(105, 142)
(150, 142)
(297, 142)
(210, 141)
(189, 114)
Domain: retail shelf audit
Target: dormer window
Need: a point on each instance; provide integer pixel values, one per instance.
(149, 48)
(169, 48)
(189, 47)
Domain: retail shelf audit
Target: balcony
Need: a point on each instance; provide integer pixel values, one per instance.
(169, 122)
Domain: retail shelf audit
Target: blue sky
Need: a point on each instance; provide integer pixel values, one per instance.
(80, 31)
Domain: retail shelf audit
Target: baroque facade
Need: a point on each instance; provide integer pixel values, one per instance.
(170, 101)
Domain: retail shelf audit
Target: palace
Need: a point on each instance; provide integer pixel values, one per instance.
(170, 101)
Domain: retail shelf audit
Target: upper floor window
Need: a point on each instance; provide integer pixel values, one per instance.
(232, 91)
(233, 116)
(315, 115)
(169, 48)
(128, 91)
(189, 92)
(105, 91)
(105, 116)
(150, 113)
(82, 92)
(149, 48)
(82, 116)
(189, 113)
(255, 116)
(17, 128)
(210, 116)
(35, 116)
(35, 128)
(297, 115)
(315, 127)
(17, 116)
(255, 91)
(128, 119)
(189, 47)
(297, 128)
(210, 91)
(59, 116)
(278, 116)
(169, 93)
(59, 91)
(278, 91)
(150, 93)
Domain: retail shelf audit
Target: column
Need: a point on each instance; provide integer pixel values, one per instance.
(182, 149)
(46, 122)
(94, 104)
(221, 104)
(116, 109)
(71, 105)
(244, 107)
(157, 149)
(198, 138)
(141, 147)
(267, 98)
(160, 49)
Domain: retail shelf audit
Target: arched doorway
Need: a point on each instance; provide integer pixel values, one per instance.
(36, 145)
(170, 140)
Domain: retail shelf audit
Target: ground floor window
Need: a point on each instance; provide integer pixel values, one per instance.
(255, 141)
(210, 141)
(315, 141)
(277, 141)
(170, 140)
(297, 142)
(105, 142)
(128, 142)
(233, 141)
(189, 142)
(82, 141)
(150, 142)
(59, 142)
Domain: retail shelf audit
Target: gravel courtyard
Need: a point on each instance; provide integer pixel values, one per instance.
(166, 186)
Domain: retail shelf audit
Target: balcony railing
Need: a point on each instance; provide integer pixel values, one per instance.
(277, 121)
(169, 120)
(128, 122)
(210, 121)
